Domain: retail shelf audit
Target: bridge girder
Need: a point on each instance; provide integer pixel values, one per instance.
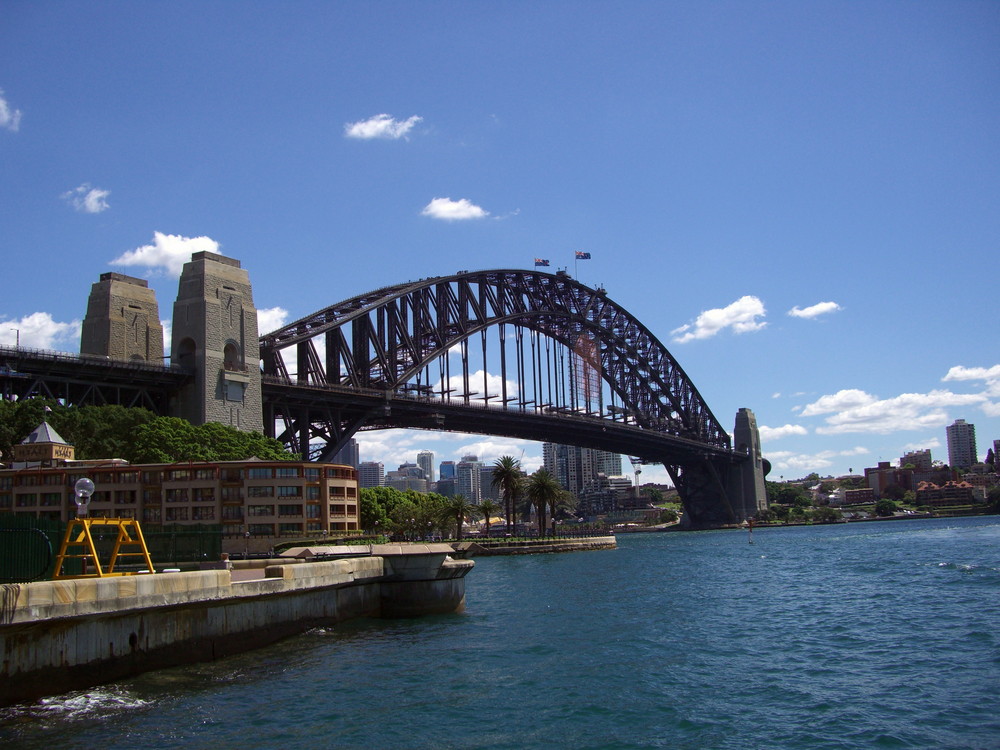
(366, 363)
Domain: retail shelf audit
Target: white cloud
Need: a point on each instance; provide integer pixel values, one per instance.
(922, 445)
(456, 385)
(839, 401)
(10, 118)
(271, 319)
(87, 199)
(168, 251)
(776, 433)
(742, 316)
(789, 461)
(448, 210)
(820, 308)
(40, 331)
(380, 126)
(958, 372)
(857, 411)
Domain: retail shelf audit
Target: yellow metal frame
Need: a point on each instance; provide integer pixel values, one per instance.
(79, 538)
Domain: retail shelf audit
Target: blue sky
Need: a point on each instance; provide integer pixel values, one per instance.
(799, 199)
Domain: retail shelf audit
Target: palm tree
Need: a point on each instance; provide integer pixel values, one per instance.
(561, 501)
(507, 477)
(455, 511)
(543, 490)
(488, 508)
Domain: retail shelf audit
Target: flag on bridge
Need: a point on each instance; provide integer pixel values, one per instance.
(582, 255)
(541, 262)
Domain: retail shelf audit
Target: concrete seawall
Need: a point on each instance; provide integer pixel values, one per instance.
(535, 546)
(69, 634)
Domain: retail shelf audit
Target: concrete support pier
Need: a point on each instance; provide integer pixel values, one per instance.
(63, 635)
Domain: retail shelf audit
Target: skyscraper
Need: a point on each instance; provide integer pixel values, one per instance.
(371, 474)
(425, 460)
(467, 479)
(962, 444)
(575, 467)
(349, 455)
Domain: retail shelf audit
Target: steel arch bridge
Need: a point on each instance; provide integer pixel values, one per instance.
(517, 353)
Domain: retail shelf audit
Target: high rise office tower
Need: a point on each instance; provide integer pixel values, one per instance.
(447, 470)
(468, 478)
(425, 460)
(349, 455)
(961, 444)
(371, 474)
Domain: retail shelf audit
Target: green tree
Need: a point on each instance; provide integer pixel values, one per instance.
(508, 478)
(894, 492)
(488, 509)
(826, 514)
(543, 490)
(993, 499)
(455, 509)
(885, 507)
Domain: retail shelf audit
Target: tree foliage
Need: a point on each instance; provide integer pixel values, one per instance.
(134, 434)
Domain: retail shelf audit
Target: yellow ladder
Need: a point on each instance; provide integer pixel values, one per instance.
(78, 543)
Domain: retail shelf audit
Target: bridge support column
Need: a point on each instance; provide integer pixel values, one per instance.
(215, 334)
(748, 495)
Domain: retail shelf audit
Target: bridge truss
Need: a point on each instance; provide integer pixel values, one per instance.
(507, 352)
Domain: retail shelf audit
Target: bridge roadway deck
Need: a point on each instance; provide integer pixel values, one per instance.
(385, 409)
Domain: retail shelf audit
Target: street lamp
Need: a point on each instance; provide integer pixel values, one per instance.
(83, 488)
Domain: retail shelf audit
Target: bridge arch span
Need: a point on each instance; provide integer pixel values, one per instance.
(525, 343)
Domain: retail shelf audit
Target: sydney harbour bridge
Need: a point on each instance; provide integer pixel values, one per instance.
(515, 353)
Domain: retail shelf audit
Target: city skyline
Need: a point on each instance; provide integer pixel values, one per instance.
(797, 200)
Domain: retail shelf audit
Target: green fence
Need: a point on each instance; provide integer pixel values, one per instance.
(29, 545)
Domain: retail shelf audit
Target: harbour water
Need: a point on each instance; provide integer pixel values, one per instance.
(846, 636)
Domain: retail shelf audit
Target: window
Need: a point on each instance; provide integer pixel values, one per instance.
(312, 493)
(259, 472)
(231, 475)
(204, 474)
(289, 491)
(232, 494)
(289, 510)
(6, 500)
(51, 479)
(124, 497)
(261, 529)
(232, 513)
(260, 491)
(312, 473)
(151, 515)
(336, 510)
(203, 494)
(290, 528)
(314, 526)
(27, 501)
(128, 477)
(151, 496)
(150, 477)
(179, 475)
(177, 495)
(177, 514)
(352, 491)
(260, 510)
(313, 511)
(6, 483)
(52, 498)
(287, 471)
(203, 513)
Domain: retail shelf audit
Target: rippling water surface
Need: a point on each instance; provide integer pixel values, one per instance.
(867, 635)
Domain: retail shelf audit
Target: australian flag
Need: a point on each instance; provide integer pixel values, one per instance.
(541, 262)
(582, 255)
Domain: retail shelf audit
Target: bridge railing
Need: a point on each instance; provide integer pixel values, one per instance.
(51, 355)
